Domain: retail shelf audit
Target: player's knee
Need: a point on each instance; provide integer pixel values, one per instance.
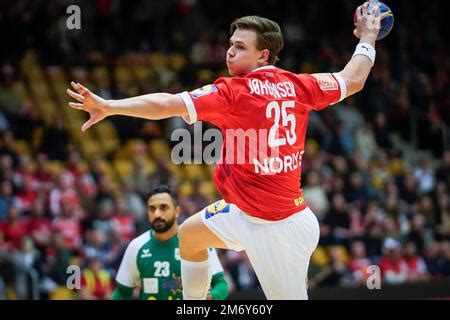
(190, 237)
(186, 237)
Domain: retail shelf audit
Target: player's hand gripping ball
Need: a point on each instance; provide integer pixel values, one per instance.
(386, 24)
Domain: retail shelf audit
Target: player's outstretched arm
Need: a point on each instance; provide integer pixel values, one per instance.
(153, 106)
(357, 70)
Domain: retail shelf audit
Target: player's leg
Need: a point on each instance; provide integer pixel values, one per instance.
(280, 254)
(195, 237)
(279, 281)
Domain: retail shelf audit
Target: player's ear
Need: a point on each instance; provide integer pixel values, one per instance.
(177, 211)
(264, 56)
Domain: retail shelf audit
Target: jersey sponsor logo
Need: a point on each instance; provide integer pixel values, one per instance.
(203, 91)
(173, 284)
(326, 81)
(216, 208)
(276, 165)
(146, 253)
(177, 254)
(150, 285)
(299, 201)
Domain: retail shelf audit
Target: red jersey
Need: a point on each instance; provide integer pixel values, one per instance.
(124, 226)
(70, 229)
(13, 232)
(416, 267)
(263, 117)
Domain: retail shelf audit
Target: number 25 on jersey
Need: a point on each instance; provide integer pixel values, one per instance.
(288, 122)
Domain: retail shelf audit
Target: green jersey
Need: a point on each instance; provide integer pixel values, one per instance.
(155, 267)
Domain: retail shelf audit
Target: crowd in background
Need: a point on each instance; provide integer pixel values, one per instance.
(376, 169)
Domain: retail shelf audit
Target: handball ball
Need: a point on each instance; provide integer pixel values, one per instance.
(386, 24)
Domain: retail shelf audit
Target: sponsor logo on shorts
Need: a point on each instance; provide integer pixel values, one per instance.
(216, 208)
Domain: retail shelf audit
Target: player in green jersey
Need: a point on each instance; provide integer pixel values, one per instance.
(152, 260)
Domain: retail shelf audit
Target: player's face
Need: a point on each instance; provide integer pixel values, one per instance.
(243, 56)
(162, 213)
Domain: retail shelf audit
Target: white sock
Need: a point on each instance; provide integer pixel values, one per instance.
(195, 279)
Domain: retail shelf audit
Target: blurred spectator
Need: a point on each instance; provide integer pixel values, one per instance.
(335, 228)
(26, 257)
(55, 140)
(13, 228)
(106, 189)
(381, 131)
(68, 225)
(7, 198)
(28, 194)
(339, 141)
(103, 219)
(392, 206)
(41, 172)
(64, 192)
(98, 246)
(443, 228)
(427, 210)
(365, 141)
(373, 240)
(201, 52)
(443, 171)
(391, 229)
(435, 260)
(59, 257)
(96, 282)
(333, 274)
(358, 263)
(409, 189)
(417, 269)
(315, 195)
(425, 177)
(445, 251)
(123, 221)
(39, 225)
(357, 228)
(350, 117)
(418, 232)
(195, 200)
(140, 173)
(4, 124)
(6, 148)
(393, 267)
(135, 203)
(356, 192)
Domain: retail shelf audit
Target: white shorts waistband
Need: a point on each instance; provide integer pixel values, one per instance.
(263, 221)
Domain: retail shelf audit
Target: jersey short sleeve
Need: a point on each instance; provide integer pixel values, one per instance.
(209, 103)
(214, 262)
(128, 273)
(322, 89)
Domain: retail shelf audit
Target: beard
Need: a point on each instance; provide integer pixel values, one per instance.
(163, 225)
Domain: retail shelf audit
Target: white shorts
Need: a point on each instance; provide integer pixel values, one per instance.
(278, 250)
